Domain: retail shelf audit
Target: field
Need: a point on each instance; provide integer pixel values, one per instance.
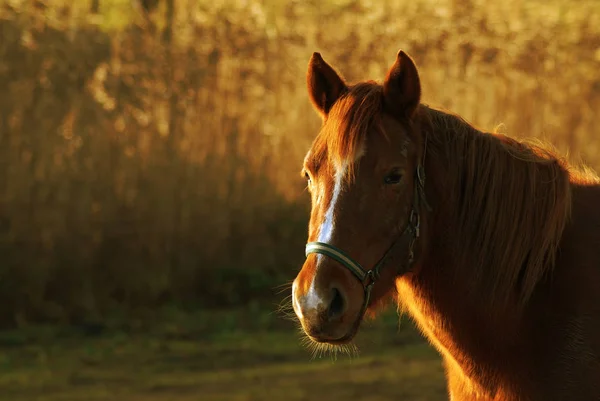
(184, 360)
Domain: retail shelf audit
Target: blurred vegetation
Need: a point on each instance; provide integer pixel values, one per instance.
(149, 150)
(184, 359)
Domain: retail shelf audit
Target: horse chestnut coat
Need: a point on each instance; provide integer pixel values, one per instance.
(495, 254)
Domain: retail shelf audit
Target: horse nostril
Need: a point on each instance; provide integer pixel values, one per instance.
(336, 308)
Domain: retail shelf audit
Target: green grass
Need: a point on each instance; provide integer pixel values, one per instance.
(181, 358)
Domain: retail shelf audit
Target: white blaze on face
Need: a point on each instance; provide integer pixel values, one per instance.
(326, 229)
(327, 226)
(314, 298)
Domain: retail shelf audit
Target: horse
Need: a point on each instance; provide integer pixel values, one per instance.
(491, 244)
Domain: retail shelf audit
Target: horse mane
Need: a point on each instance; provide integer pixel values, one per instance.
(510, 202)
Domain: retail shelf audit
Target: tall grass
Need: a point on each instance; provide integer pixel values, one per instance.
(139, 168)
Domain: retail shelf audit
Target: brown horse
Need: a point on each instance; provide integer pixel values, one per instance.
(495, 254)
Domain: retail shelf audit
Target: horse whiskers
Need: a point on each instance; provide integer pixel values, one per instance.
(318, 350)
(288, 316)
(283, 287)
(285, 309)
(285, 304)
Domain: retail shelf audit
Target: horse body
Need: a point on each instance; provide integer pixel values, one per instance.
(499, 264)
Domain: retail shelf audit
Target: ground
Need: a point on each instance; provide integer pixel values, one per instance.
(186, 360)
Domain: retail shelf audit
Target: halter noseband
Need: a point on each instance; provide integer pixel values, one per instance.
(369, 277)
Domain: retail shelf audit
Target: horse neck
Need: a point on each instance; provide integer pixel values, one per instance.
(447, 294)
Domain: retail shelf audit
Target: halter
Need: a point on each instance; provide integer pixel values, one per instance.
(369, 277)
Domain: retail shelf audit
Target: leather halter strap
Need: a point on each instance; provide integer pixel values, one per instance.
(412, 230)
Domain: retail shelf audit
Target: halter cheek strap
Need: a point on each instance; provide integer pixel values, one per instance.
(369, 277)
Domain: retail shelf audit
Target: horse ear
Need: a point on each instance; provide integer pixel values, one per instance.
(324, 84)
(402, 87)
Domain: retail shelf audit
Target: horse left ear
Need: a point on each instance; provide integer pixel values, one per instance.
(402, 87)
(325, 85)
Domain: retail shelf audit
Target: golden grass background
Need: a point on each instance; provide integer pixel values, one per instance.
(151, 158)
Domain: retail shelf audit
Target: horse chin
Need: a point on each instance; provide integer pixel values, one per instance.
(343, 340)
(332, 342)
(338, 341)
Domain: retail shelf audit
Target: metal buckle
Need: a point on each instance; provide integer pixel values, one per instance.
(421, 175)
(415, 221)
(369, 279)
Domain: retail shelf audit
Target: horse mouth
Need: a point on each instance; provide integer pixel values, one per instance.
(345, 339)
(342, 340)
(336, 341)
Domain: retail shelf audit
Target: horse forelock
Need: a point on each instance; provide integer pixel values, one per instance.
(342, 139)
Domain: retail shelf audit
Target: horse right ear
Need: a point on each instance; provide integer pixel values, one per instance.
(325, 86)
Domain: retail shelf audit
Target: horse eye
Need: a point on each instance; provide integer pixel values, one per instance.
(307, 176)
(393, 178)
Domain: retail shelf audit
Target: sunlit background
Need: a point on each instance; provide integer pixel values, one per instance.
(151, 207)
